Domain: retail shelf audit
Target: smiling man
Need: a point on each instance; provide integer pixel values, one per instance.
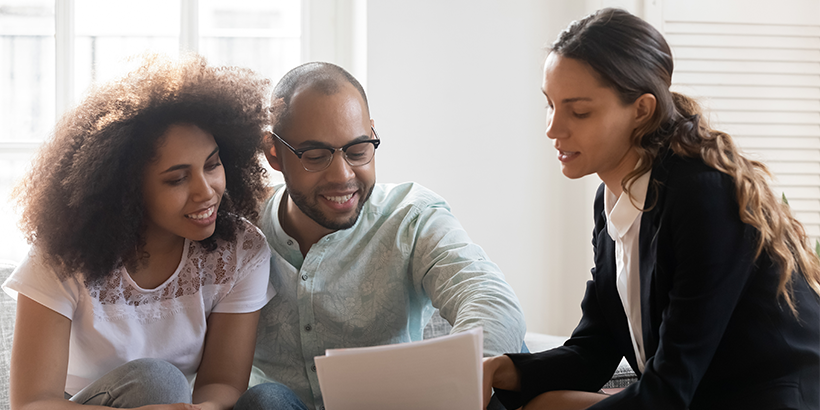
(357, 263)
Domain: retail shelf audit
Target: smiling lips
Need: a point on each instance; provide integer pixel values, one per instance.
(565, 156)
(339, 199)
(202, 215)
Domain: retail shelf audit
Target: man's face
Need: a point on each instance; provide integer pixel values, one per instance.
(333, 197)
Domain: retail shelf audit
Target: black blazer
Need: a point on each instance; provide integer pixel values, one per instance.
(715, 334)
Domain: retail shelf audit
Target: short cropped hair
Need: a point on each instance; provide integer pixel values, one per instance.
(324, 77)
(82, 201)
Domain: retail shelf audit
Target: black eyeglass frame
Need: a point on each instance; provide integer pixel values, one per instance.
(299, 152)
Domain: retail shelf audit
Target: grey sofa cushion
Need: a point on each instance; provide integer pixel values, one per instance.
(8, 310)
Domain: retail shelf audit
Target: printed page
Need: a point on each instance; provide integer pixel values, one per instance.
(441, 373)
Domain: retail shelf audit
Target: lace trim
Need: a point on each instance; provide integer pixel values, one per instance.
(202, 268)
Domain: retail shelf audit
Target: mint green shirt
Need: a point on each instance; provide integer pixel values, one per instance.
(377, 283)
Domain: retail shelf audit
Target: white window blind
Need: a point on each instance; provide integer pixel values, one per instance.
(756, 70)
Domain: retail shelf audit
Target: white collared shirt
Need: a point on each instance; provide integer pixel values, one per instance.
(624, 226)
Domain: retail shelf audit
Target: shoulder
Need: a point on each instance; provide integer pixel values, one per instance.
(674, 168)
(683, 179)
(35, 266)
(249, 236)
(37, 279)
(407, 196)
(249, 243)
(692, 194)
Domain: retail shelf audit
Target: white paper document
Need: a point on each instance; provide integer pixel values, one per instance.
(441, 373)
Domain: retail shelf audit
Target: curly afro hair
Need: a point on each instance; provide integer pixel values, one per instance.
(82, 202)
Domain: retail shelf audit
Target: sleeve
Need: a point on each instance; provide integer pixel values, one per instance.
(37, 280)
(461, 281)
(252, 288)
(586, 361)
(710, 261)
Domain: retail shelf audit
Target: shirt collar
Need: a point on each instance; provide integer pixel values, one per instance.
(281, 242)
(623, 213)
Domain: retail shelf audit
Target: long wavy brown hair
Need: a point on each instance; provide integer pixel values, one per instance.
(82, 201)
(633, 59)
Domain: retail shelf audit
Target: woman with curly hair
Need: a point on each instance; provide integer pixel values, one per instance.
(703, 280)
(144, 269)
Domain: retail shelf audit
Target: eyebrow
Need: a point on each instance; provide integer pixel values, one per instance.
(569, 100)
(183, 166)
(576, 99)
(319, 144)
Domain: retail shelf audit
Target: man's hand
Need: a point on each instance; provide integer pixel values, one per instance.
(499, 372)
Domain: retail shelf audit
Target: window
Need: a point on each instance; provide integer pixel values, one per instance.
(52, 50)
(757, 70)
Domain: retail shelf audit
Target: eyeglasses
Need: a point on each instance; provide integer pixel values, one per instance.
(356, 153)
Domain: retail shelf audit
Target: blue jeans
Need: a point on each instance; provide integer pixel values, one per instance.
(277, 396)
(137, 383)
(269, 396)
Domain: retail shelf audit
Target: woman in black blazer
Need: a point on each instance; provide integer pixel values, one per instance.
(703, 280)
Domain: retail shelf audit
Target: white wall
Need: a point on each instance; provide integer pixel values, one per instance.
(454, 88)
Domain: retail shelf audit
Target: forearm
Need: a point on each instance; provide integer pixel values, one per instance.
(216, 396)
(226, 363)
(52, 404)
(489, 302)
(504, 329)
(468, 289)
(63, 404)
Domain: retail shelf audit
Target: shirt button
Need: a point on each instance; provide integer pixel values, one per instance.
(313, 367)
(304, 277)
(307, 328)
(290, 242)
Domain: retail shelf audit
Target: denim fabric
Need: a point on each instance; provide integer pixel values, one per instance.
(277, 396)
(270, 396)
(137, 383)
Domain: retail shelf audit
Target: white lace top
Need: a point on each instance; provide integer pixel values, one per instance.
(116, 321)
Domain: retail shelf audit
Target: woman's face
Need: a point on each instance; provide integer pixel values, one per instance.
(183, 186)
(591, 129)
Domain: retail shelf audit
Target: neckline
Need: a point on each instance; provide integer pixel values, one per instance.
(185, 248)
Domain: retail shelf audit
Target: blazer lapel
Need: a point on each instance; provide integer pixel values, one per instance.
(606, 274)
(647, 248)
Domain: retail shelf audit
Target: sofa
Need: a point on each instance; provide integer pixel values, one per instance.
(8, 308)
(436, 327)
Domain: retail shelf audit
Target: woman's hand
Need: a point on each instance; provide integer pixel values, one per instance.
(499, 372)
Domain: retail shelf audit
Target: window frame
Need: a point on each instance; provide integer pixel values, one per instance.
(331, 30)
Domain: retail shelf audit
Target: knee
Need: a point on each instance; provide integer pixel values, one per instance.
(165, 381)
(269, 396)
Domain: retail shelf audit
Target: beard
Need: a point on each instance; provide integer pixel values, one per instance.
(308, 204)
